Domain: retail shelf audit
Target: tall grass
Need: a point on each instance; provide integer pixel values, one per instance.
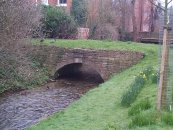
(144, 119)
(140, 80)
(140, 106)
(167, 118)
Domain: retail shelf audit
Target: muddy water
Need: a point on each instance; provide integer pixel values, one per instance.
(22, 109)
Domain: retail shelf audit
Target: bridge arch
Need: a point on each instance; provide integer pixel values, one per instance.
(71, 67)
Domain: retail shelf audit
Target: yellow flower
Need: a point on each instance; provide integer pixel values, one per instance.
(144, 76)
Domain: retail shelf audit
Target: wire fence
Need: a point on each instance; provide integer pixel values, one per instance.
(170, 77)
(167, 95)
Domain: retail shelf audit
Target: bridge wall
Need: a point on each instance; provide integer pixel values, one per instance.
(104, 62)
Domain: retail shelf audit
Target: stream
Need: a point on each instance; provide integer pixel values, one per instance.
(22, 109)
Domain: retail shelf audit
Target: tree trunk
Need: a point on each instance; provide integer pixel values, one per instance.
(135, 33)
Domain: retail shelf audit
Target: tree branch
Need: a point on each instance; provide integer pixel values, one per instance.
(157, 5)
(2, 2)
(170, 2)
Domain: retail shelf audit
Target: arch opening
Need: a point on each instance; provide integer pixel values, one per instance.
(79, 72)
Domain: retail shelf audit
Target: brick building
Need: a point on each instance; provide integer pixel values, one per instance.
(145, 16)
(144, 12)
(60, 3)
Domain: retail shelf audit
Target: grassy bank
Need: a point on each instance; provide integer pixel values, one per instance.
(100, 108)
(19, 71)
(95, 44)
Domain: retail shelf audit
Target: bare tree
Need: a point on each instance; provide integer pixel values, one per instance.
(18, 19)
(134, 21)
(102, 19)
(124, 14)
(123, 7)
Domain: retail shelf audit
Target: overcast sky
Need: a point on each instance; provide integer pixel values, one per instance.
(163, 1)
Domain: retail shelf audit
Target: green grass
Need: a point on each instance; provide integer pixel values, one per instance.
(100, 108)
(140, 106)
(171, 69)
(95, 44)
(167, 118)
(145, 76)
(145, 118)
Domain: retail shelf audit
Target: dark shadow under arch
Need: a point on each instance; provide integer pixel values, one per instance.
(78, 71)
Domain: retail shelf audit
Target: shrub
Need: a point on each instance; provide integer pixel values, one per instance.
(18, 19)
(103, 31)
(10, 79)
(57, 23)
(79, 12)
(124, 36)
(135, 88)
(16, 74)
(137, 108)
(144, 119)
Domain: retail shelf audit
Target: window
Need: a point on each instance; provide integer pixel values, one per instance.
(62, 2)
(45, 2)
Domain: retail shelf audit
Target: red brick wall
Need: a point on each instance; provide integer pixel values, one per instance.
(143, 12)
(53, 2)
(69, 4)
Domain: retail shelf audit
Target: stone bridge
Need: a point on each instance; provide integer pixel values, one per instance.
(105, 62)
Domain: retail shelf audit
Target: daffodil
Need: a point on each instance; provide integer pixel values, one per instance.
(144, 76)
